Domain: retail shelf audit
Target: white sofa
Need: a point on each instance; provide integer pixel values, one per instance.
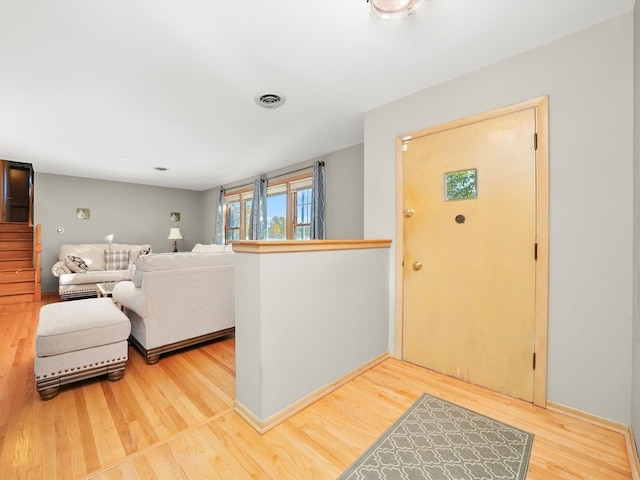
(73, 260)
(178, 299)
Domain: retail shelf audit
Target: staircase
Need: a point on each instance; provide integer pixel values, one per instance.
(20, 250)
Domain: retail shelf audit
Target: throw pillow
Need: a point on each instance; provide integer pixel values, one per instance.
(116, 259)
(135, 253)
(76, 264)
(59, 268)
(132, 270)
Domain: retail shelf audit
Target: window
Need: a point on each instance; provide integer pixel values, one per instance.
(460, 185)
(237, 212)
(277, 212)
(288, 210)
(301, 206)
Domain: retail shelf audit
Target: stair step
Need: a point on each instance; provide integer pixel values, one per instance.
(13, 299)
(17, 288)
(15, 227)
(15, 231)
(16, 253)
(11, 228)
(23, 237)
(10, 244)
(15, 263)
(17, 275)
(17, 272)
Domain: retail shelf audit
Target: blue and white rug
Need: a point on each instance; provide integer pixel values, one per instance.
(438, 440)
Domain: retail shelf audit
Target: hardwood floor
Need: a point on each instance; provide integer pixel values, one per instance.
(175, 419)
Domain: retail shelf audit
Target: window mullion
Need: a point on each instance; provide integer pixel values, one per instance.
(290, 211)
(242, 225)
(226, 221)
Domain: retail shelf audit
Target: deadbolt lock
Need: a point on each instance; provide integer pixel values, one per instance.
(409, 212)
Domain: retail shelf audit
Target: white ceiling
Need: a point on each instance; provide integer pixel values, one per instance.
(110, 89)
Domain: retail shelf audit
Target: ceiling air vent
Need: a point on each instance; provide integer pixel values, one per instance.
(270, 100)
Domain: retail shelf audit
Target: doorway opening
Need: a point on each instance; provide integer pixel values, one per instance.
(16, 192)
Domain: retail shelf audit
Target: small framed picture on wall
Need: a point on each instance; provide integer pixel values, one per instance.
(83, 213)
(175, 216)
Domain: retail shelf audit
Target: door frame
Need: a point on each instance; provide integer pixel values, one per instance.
(541, 106)
(5, 203)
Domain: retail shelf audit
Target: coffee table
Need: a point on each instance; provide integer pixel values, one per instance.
(105, 289)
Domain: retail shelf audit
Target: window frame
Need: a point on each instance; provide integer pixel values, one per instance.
(243, 194)
(294, 205)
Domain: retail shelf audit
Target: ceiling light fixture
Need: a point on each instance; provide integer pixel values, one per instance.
(389, 9)
(270, 100)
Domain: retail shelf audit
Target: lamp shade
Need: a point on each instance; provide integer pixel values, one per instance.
(174, 234)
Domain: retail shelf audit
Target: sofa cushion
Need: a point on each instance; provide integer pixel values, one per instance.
(180, 260)
(97, 276)
(116, 259)
(76, 264)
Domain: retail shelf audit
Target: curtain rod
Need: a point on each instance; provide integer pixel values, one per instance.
(239, 187)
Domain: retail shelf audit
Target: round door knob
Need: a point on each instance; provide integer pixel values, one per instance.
(409, 212)
(417, 265)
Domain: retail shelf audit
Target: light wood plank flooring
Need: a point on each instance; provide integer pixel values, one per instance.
(176, 420)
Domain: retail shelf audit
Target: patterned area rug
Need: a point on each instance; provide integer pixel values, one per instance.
(437, 440)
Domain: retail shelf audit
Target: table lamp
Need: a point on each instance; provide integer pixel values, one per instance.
(175, 235)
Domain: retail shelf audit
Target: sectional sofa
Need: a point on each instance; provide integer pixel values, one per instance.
(175, 300)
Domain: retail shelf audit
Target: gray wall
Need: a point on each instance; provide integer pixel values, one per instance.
(344, 176)
(133, 213)
(345, 193)
(588, 77)
(285, 357)
(140, 213)
(209, 214)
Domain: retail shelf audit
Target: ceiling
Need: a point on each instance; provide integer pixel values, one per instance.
(111, 89)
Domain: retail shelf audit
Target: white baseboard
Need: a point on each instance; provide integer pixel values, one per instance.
(263, 426)
(625, 430)
(632, 453)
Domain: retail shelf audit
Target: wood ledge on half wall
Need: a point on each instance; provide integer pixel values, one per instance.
(284, 246)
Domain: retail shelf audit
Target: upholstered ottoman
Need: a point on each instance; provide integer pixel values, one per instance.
(77, 340)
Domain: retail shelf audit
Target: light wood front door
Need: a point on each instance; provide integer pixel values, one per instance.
(469, 263)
